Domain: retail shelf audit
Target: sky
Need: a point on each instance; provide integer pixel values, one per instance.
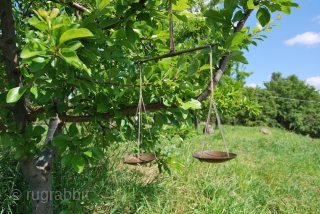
(293, 48)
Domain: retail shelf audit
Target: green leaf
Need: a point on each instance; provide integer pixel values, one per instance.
(66, 159)
(15, 94)
(108, 22)
(57, 29)
(41, 25)
(173, 121)
(38, 131)
(35, 67)
(75, 33)
(73, 130)
(63, 108)
(205, 67)
(230, 4)
(238, 16)
(181, 61)
(122, 8)
(43, 13)
(193, 68)
(87, 140)
(183, 18)
(214, 15)
(286, 10)
(94, 197)
(102, 107)
(250, 5)
(18, 153)
(290, 4)
(130, 34)
(54, 13)
(78, 163)
(234, 39)
(102, 4)
(5, 140)
(239, 58)
(180, 6)
(87, 152)
(193, 104)
(162, 35)
(62, 140)
(97, 153)
(74, 45)
(263, 15)
(73, 59)
(32, 49)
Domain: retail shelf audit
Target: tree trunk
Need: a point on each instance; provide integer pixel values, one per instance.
(38, 172)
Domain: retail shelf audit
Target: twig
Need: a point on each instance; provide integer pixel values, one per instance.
(171, 30)
(176, 53)
(79, 7)
(113, 83)
(2, 126)
(74, 5)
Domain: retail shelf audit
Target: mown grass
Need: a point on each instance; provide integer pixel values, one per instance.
(277, 173)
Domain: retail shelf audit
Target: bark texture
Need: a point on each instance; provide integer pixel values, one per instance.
(38, 172)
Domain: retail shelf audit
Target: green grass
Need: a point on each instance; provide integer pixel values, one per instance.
(276, 173)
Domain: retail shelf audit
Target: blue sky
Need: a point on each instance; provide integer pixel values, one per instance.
(294, 48)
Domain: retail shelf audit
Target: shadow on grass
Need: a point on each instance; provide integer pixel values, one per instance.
(119, 189)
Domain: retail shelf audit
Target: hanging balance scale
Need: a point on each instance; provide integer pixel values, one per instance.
(210, 156)
(140, 158)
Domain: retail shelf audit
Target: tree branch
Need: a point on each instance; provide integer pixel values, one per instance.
(124, 111)
(176, 53)
(49, 152)
(32, 116)
(74, 5)
(223, 62)
(2, 126)
(79, 7)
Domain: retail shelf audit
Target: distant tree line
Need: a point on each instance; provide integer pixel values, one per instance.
(286, 102)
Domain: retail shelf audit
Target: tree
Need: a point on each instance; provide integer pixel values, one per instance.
(267, 109)
(79, 62)
(298, 104)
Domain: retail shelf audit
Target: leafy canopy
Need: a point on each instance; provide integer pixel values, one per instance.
(83, 66)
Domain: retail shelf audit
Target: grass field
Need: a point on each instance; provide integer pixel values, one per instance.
(277, 173)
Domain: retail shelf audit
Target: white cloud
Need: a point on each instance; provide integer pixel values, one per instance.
(316, 18)
(307, 38)
(253, 85)
(314, 81)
